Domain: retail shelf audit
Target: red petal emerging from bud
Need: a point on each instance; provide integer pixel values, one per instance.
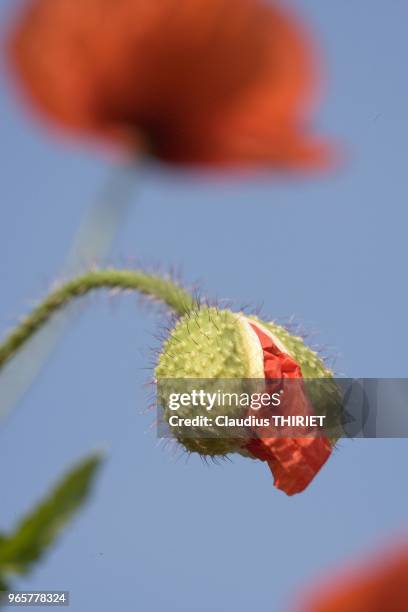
(277, 363)
(294, 462)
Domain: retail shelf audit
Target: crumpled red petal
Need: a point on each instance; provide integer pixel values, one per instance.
(294, 462)
(277, 364)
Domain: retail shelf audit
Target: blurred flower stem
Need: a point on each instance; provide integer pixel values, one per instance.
(91, 245)
(160, 288)
(102, 222)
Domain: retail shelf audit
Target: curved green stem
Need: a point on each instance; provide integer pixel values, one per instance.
(159, 288)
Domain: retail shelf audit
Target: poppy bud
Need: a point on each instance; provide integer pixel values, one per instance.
(219, 345)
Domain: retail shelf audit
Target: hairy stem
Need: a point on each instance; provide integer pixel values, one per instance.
(159, 288)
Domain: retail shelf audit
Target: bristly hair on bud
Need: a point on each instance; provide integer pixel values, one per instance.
(214, 344)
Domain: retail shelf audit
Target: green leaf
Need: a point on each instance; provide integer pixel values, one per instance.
(39, 529)
(3, 585)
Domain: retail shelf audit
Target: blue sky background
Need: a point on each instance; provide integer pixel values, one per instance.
(331, 250)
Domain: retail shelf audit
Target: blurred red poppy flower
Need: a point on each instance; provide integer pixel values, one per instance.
(380, 586)
(294, 462)
(190, 81)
